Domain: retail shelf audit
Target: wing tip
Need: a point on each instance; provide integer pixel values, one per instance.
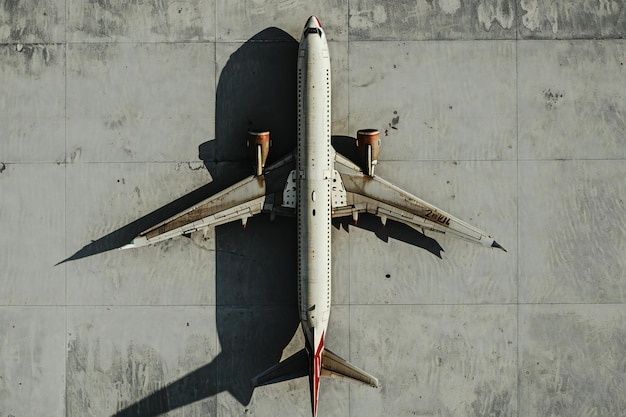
(497, 246)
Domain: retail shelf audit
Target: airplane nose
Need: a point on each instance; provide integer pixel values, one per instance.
(313, 22)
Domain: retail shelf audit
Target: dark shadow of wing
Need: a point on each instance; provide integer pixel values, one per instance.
(391, 229)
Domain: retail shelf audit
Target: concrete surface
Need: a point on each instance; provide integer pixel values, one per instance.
(509, 114)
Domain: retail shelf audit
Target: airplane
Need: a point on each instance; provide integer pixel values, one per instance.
(316, 184)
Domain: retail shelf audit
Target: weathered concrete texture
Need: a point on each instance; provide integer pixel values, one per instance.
(436, 100)
(140, 21)
(113, 119)
(132, 99)
(572, 360)
(487, 19)
(432, 19)
(571, 100)
(240, 20)
(32, 21)
(32, 369)
(116, 356)
(572, 228)
(572, 19)
(450, 360)
(32, 78)
(33, 204)
(468, 273)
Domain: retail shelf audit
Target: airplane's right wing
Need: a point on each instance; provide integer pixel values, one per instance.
(354, 193)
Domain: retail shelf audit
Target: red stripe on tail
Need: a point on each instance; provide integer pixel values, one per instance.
(317, 369)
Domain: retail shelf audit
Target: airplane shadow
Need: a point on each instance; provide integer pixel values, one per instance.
(256, 315)
(256, 268)
(392, 229)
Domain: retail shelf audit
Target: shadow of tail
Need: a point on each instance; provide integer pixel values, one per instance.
(252, 339)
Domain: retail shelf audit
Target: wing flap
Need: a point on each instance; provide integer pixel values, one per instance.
(240, 201)
(250, 196)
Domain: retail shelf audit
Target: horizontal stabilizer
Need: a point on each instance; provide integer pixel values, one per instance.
(295, 366)
(335, 367)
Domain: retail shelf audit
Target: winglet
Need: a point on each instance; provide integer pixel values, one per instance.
(497, 245)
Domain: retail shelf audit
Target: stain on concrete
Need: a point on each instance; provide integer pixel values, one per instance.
(573, 19)
(81, 58)
(501, 12)
(195, 166)
(31, 21)
(433, 19)
(395, 120)
(492, 401)
(192, 166)
(75, 155)
(107, 380)
(589, 123)
(140, 20)
(450, 6)
(487, 19)
(612, 114)
(197, 349)
(552, 98)
(29, 59)
(115, 123)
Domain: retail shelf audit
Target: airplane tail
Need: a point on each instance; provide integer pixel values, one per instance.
(299, 365)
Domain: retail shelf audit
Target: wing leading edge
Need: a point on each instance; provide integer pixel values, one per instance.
(374, 195)
(250, 196)
(353, 193)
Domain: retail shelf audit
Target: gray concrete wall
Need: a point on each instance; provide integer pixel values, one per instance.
(509, 114)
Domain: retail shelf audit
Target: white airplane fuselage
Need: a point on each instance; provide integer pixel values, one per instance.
(314, 175)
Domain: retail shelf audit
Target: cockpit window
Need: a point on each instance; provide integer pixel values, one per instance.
(313, 30)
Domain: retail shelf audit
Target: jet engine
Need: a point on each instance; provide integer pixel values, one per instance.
(258, 148)
(368, 146)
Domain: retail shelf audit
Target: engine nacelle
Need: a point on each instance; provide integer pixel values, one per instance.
(368, 145)
(258, 148)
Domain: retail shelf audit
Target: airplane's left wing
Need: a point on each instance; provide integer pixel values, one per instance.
(359, 193)
(250, 196)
